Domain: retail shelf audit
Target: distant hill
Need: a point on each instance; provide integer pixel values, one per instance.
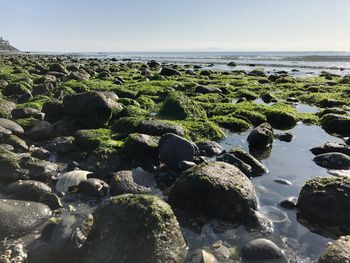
(5, 46)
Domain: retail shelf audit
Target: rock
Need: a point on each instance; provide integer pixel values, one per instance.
(218, 189)
(289, 203)
(210, 148)
(337, 251)
(123, 182)
(134, 227)
(41, 153)
(206, 73)
(284, 137)
(142, 148)
(157, 128)
(331, 196)
(257, 167)
(10, 168)
(282, 120)
(61, 145)
(94, 109)
(5, 108)
(178, 106)
(18, 144)
(53, 110)
(93, 187)
(165, 71)
(257, 73)
(20, 113)
(71, 179)
(231, 159)
(331, 147)
(12, 126)
(261, 136)
(206, 90)
(4, 132)
(256, 222)
(15, 89)
(173, 149)
(58, 67)
(30, 190)
(333, 160)
(42, 130)
(18, 218)
(267, 98)
(335, 123)
(232, 64)
(262, 249)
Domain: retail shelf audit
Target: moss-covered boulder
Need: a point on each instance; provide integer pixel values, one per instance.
(217, 189)
(10, 167)
(336, 252)
(280, 119)
(178, 106)
(261, 136)
(326, 200)
(336, 123)
(93, 109)
(133, 227)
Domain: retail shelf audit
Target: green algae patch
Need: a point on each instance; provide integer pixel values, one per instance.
(201, 129)
(178, 106)
(231, 123)
(126, 125)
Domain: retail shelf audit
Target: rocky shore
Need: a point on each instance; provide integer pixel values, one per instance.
(116, 161)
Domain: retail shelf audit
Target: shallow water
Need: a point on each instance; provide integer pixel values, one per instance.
(293, 162)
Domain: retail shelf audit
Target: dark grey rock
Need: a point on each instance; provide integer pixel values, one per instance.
(331, 147)
(263, 250)
(261, 136)
(257, 167)
(210, 148)
(165, 71)
(93, 187)
(12, 126)
(42, 130)
(326, 200)
(157, 128)
(123, 182)
(18, 218)
(333, 160)
(231, 159)
(173, 149)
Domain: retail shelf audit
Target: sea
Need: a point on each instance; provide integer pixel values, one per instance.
(295, 63)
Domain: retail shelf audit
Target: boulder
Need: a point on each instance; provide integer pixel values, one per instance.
(123, 182)
(257, 167)
(218, 189)
(331, 147)
(93, 187)
(18, 218)
(10, 167)
(337, 251)
(157, 128)
(165, 71)
(210, 148)
(30, 190)
(41, 130)
(173, 149)
(333, 160)
(134, 227)
(261, 136)
(12, 126)
(263, 250)
(326, 200)
(93, 109)
(336, 123)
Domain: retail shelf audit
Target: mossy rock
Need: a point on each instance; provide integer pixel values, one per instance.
(202, 129)
(126, 125)
(280, 119)
(335, 123)
(326, 200)
(178, 106)
(132, 111)
(218, 189)
(231, 123)
(133, 227)
(89, 140)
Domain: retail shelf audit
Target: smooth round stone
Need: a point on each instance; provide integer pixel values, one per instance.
(18, 218)
(263, 250)
(290, 203)
(274, 214)
(11, 125)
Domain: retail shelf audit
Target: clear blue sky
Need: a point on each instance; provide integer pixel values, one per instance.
(163, 25)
